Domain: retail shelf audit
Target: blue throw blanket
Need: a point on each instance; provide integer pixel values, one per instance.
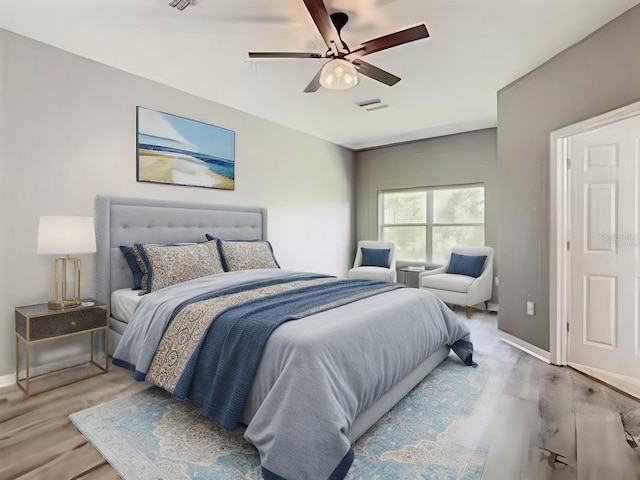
(219, 373)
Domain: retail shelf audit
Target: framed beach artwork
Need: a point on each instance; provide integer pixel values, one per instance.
(179, 151)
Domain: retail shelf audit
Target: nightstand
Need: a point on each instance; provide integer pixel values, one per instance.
(37, 324)
(409, 269)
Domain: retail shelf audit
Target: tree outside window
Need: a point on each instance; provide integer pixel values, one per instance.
(425, 223)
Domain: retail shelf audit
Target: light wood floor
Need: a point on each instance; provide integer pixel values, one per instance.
(37, 439)
(544, 422)
(553, 423)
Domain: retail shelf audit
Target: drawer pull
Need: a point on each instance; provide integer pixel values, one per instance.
(73, 323)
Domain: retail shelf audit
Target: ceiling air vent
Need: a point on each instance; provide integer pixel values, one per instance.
(371, 105)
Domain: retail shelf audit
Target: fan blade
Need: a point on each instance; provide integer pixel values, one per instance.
(314, 85)
(284, 55)
(322, 20)
(388, 41)
(376, 73)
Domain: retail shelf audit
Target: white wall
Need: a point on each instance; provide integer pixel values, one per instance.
(71, 135)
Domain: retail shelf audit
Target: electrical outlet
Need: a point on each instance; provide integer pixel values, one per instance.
(496, 281)
(530, 308)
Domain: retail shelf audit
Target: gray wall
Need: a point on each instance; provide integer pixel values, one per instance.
(71, 135)
(451, 160)
(594, 76)
(6, 330)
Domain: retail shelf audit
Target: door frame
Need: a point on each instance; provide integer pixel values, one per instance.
(559, 224)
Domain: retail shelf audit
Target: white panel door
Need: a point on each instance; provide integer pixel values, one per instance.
(604, 331)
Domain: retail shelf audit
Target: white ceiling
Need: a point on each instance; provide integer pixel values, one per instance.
(449, 81)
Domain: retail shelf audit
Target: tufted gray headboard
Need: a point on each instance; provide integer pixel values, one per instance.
(125, 221)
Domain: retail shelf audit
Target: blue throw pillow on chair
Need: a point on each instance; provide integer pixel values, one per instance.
(375, 257)
(470, 265)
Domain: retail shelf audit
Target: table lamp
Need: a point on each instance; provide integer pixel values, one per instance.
(63, 235)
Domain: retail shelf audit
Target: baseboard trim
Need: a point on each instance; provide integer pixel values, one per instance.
(6, 380)
(527, 347)
(628, 385)
(10, 379)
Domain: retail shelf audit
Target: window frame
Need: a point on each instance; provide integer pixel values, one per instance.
(429, 209)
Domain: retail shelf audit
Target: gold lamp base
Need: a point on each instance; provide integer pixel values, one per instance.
(62, 304)
(61, 267)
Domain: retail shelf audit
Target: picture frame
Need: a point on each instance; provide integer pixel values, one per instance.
(175, 150)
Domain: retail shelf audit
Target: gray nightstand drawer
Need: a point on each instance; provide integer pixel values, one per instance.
(55, 324)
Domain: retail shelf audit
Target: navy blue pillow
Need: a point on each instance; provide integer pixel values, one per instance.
(127, 251)
(375, 257)
(469, 265)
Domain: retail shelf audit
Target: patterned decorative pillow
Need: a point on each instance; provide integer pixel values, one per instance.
(171, 264)
(245, 254)
(143, 268)
(137, 265)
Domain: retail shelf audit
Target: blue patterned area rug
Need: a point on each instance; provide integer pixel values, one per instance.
(435, 432)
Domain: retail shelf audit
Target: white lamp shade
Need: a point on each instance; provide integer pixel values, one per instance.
(338, 74)
(66, 235)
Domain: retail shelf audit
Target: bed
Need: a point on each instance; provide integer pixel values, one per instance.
(319, 382)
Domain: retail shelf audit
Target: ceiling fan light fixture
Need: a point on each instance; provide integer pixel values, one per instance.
(338, 74)
(181, 4)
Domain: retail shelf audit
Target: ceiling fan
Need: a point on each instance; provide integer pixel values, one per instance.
(341, 71)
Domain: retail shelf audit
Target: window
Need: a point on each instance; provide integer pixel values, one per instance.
(424, 223)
